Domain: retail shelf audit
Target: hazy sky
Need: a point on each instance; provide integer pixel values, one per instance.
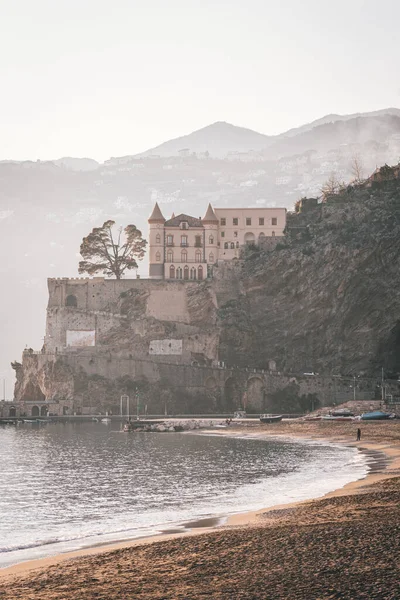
(105, 78)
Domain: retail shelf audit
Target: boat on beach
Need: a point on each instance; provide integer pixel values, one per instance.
(377, 415)
(344, 412)
(271, 418)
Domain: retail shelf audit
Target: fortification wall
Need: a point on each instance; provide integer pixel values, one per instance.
(133, 318)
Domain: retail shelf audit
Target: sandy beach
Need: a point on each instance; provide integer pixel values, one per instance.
(344, 545)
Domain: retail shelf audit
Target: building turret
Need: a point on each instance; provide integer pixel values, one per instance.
(156, 243)
(210, 223)
(210, 216)
(156, 216)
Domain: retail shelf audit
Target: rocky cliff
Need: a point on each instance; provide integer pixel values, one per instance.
(327, 299)
(324, 300)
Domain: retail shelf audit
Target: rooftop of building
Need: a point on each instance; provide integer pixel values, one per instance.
(191, 221)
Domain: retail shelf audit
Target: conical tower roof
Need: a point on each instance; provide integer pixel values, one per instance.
(173, 216)
(210, 216)
(156, 216)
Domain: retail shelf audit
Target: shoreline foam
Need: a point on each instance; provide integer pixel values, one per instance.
(392, 452)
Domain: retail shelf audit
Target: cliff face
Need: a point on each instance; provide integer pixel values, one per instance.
(328, 298)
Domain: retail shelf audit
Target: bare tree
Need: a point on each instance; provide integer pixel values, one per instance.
(357, 169)
(332, 186)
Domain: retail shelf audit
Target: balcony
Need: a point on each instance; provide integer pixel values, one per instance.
(186, 262)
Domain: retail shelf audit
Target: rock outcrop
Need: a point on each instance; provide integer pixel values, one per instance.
(324, 300)
(327, 299)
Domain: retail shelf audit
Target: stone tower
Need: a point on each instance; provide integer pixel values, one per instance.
(156, 244)
(210, 223)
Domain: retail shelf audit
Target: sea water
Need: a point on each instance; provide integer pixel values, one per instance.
(65, 487)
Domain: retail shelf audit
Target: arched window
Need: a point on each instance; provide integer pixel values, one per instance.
(237, 244)
(71, 301)
(158, 238)
(170, 256)
(172, 272)
(198, 256)
(186, 272)
(211, 240)
(211, 258)
(226, 245)
(158, 256)
(184, 256)
(273, 234)
(179, 273)
(232, 245)
(192, 273)
(200, 272)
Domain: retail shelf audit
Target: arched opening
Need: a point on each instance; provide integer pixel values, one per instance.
(211, 240)
(232, 245)
(65, 410)
(226, 245)
(35, 412)
(211, 258)
(179, 273)
(158, 256)
(198, 256)
(237, 244)
(249, 238)
(186, 272)
(158, 239)
(232, 394)
(12, 412)
(261, 237)
(170, 256)
(200, 276)
(172, 272)
(193, 274)
(43, 411)
(211, 383)
(71, 301)
(255, 393)
(184, 256)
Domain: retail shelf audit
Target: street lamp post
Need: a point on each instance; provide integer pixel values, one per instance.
(125, 398)
(137, 403)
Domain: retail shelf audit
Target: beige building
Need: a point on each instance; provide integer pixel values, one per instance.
(185, 247)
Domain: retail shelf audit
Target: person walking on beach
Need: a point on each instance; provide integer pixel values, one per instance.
(358, 434)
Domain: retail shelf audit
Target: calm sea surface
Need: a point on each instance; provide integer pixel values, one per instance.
(65, 487)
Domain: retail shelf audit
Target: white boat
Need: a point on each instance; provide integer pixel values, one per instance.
(106, 420)
(271, 418)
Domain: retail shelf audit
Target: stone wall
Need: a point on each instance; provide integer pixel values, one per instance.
(125, 317)
(85, 382)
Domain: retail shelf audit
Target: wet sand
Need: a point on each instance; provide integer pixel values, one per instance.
(345, 545)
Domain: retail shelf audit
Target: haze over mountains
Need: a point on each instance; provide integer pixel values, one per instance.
(46, 207)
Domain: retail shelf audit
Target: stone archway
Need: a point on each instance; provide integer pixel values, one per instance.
(249, 238)
(35, 412)
(43, 411)
(255, 393)
(211, 383)
(233, 396)
(12, 412)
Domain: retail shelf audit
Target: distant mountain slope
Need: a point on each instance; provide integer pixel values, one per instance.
(330, 136)
(218, 139)
(332, 118)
